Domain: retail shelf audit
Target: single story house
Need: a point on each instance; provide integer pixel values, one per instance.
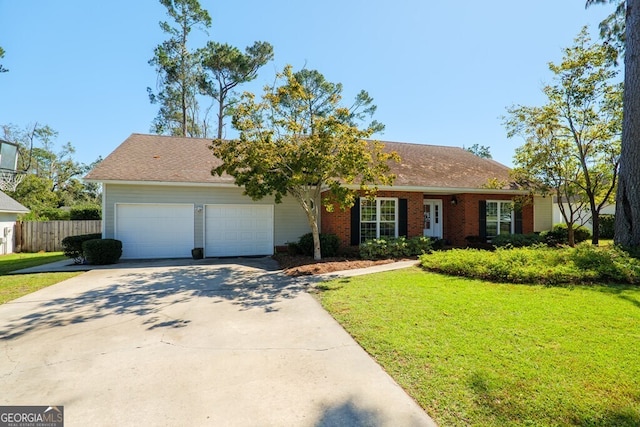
(9, 211)
(161, 200)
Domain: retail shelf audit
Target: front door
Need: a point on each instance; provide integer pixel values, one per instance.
(432, 218)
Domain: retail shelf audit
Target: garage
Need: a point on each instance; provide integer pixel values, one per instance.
(150, 230)
(238, 230)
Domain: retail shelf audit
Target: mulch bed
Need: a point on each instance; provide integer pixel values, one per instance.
(299, 265)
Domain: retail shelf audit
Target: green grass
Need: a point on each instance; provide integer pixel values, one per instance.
(15, 286)
(486, 354)
(14, 262)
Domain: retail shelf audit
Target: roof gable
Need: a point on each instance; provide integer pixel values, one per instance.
(168, 159)
(8, 204)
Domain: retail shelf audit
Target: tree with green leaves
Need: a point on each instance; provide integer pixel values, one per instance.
(612, 28)
(225, 68)
(480, 151)
(2, 69)
(53, 178)
(299, 140)
(178, 70)
(623, 26)
(572, 143)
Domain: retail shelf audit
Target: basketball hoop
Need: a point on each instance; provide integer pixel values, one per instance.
(9, 180)
(10, 176)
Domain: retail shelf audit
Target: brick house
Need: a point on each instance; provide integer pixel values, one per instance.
(161, 200)
(443, 192)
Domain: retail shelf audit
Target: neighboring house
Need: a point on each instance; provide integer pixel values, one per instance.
(584, 216)
(161, 200)
(9, 211)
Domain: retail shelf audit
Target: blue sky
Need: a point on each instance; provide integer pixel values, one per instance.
(440, 72)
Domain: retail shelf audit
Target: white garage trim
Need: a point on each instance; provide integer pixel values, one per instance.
(238, 230)
(155, 230)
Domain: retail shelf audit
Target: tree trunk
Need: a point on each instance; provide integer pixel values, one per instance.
(595, 221)
(312, 217)
(627, 223)
(220, 114)
(571, 235)
(317, 255)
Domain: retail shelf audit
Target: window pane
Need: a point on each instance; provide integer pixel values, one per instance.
(492, 229)
(377, 218)
(387, 210)
(388, 229)
(492, 211)
(367, 210)
(367, 231)
(427, 217)
(505, 227)
(505, 211)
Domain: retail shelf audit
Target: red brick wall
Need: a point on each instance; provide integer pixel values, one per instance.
(459, 221)
(338, 222)
(462, 220)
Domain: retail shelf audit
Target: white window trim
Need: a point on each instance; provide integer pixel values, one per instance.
(378, 222)
(513, 219)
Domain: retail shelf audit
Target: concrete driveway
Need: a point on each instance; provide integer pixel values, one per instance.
(198, 344)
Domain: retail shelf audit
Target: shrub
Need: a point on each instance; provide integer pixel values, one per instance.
(611, 263)
(102, 251)
(423, 245)
(400, 247)
(478, 242)
(47, 214)
(329, 244)
(516, 240)
(87, 212)
(538, 264)
(72, 246)
(293, 248)
(606, 226)
(559, 235)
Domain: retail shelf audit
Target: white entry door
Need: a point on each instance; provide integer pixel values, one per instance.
(432, 218)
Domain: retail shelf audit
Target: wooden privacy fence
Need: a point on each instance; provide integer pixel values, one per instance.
(36, 236)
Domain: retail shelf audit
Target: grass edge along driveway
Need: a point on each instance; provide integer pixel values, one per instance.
(479, 353)
(13, 286)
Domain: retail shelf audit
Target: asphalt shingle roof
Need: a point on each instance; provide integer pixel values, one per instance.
(7, 204)
(157, 158)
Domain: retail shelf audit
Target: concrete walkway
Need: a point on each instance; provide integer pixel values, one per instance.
(217, 343)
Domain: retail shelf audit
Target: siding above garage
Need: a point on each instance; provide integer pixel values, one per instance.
(290, 221)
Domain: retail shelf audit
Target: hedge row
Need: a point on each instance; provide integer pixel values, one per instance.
(584, 263)
(557, 236)
(92, 249)
(400, 247)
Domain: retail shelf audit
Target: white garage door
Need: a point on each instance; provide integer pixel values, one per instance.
(237, 230)
(155, 230)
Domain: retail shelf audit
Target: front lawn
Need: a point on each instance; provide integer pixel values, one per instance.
(487, 354)
(15, 286)
(14, 262)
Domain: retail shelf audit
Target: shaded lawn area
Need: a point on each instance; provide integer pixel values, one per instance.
(485, 354)
(15, 286)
